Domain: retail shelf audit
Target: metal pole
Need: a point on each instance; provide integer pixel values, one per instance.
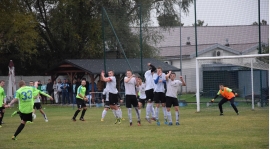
(197, 86)
(260, 48)
(103, 37)
(195, 28)
(141, 39)
(180, 43)
(252, 89)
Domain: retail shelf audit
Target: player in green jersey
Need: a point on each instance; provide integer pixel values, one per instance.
(25, 95)
(2, 96)
(80, 100)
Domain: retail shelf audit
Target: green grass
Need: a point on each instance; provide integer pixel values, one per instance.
(204, 130)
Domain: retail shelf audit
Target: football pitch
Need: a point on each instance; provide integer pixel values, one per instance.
(204, 130)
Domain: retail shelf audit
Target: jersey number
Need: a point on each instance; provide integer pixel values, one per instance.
(27, 95)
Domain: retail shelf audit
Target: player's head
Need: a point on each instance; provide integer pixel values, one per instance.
(2, 83)
(21, 83)
(221, 86)
(83, 83)
(172, 76)
(159, 70)
(74, 81)
(129, 73)
(31, 83)
(110, 73)
(139, 80)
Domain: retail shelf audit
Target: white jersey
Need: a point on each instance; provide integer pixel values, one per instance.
(37, 100)
(106, 93)
(130, 86)
(149, 81)
(172, 87)
(141, 89)
(111, 85)
(159, 85)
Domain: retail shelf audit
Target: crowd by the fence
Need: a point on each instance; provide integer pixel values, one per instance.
(64, 91)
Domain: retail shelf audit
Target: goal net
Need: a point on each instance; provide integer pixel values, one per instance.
(247, 75)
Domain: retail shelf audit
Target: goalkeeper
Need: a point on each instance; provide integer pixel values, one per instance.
(228, 95)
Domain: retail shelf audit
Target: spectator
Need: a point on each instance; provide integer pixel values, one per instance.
(95, 95)
(100, 87)
(59, 90)
(74, 91)
(70, 94)
(49, 89)
(65, 95)
(55, 92)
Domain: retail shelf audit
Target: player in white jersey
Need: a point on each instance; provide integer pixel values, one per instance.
(159, 93)
(113, 93)
(171, 95)
(149, 91)
(140, 88)
(105, 100)
(37, 104)
(130, 84)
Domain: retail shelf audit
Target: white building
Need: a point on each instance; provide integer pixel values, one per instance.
(211, 41)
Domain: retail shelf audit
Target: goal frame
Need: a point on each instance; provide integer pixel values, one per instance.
(223, 57)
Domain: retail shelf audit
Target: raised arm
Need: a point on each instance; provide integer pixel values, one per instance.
(168, 75)
(153, 68)
(182, 80)
(104, 78)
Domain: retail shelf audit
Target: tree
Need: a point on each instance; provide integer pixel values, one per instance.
(200, 23)
(18, 36)
(262, 23)
(65, 29)
(168, 20)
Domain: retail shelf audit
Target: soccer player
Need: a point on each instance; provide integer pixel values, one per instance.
(105, 100)
(130, 84)
(171, 96)
(228, 95)
(25, 95)
(2, 96)
(113, 93)
(80, 100)
(37, 104)
(159, 94)
(140, 87)
(149, 91)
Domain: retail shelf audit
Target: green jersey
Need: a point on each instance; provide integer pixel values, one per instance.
(26, 95)
(81, 90)
(2, 96)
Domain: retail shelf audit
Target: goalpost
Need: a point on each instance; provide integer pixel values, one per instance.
(236, 72)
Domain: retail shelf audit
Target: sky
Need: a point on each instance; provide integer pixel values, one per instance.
(224, 12)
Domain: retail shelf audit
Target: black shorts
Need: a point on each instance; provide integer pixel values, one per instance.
(113, 99)
(80, 103)
(150, 95)
(131, 100)
(159, 97)
(37, 106)
(106, 104)
(142, 101)
(1, 110)
(26, 117)
(171, 101)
